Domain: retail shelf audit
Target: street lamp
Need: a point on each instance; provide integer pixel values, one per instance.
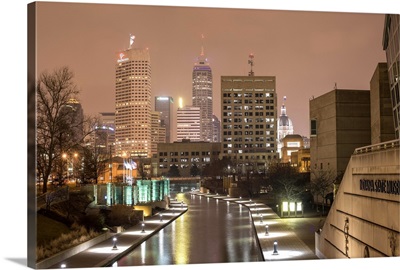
(115, 243)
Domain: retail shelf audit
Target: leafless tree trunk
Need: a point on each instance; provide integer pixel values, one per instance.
(54, 90)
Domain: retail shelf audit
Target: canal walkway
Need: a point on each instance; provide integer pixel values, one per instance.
(276, 238)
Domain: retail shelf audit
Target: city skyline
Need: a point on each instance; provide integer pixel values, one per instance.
(14, 62)
(307, 60)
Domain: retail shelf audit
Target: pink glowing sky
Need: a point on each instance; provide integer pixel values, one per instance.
(307, 51)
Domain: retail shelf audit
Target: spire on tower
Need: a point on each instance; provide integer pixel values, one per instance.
(251, 62)
(202, 45)
(131, 40)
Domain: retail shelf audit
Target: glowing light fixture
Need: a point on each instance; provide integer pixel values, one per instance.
(275, 248)
(285, 206)
(115, 243)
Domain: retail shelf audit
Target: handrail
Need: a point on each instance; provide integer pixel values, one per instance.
(377, 147)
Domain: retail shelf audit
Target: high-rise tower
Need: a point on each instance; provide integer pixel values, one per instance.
(202, 97)
(163, 104)
(188, 124)
(248, 107)
(133, 102)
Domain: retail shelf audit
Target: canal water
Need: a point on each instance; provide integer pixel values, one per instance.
(211, 231)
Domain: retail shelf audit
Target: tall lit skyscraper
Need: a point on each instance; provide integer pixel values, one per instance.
(249, 130)
(216, 129)
(188, 124)
(391, 37)
(163, 105)
(157, 132)
(74, 112)
(202, 88)
(248, 120)
(133, 102)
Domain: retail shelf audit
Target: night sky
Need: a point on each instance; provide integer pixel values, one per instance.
(307, 51)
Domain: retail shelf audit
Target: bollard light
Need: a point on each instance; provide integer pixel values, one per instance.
(63, 265)
(266, 230)
(161, 218)
(261, 219)
(143, 228)
(115, 243)
(275, 248)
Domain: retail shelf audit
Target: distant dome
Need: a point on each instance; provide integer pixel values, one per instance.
(284, 120)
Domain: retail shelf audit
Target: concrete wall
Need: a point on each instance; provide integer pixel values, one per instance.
(373, 214)
(46, 263)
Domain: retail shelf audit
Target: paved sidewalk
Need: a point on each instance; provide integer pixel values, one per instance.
(276, 239)
(104, 253)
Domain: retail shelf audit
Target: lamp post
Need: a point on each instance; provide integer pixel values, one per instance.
(115, 243)
(275, 248)
(70, 165)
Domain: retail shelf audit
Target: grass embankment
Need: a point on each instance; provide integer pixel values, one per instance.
(48, 229)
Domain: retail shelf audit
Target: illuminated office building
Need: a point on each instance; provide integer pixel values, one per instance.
(248, 121)
(188, 124)
(163, 104)
(133, 102)
(202, 95)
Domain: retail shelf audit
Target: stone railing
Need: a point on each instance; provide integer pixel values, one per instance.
(377, 147)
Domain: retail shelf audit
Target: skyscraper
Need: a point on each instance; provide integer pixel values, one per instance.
(157, 132)
(188, 124)
(202, 97)
(74, 113)
(216, 129)
(133, 102)
(163, 104)
(248, 106)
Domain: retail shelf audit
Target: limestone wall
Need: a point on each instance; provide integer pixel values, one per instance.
(364, 220)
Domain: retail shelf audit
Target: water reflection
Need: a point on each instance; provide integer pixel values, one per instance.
(210, 231)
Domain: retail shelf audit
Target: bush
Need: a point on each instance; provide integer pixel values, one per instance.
(121, 215)
(93, 221)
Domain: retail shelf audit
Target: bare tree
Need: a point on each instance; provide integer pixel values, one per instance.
(55, 130)
(321, 183)
(287, 183)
